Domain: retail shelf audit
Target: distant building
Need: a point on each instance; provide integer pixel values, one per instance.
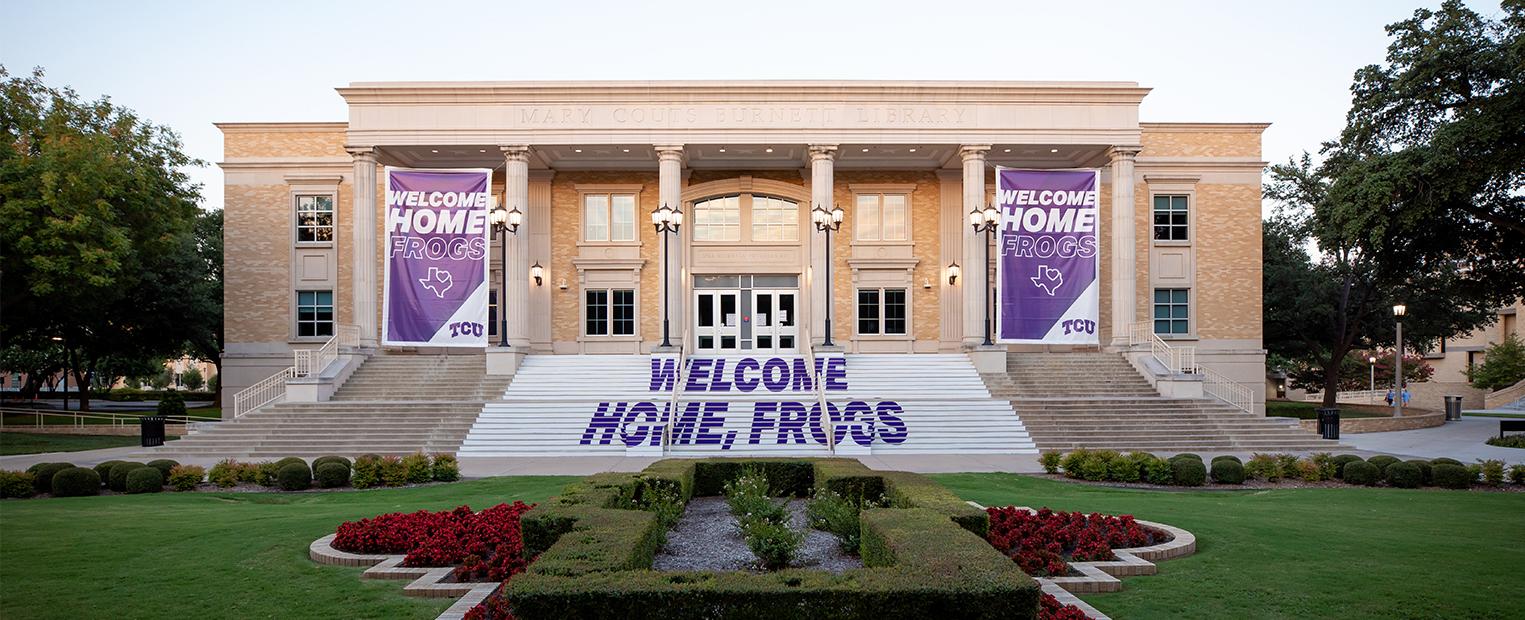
(1457, 355)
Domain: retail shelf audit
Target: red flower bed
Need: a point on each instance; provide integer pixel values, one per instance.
(1049, 608)
(487, 545)
(1044, 543)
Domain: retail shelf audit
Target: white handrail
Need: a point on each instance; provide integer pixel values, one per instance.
(1227, 390)
(676, 400)
(266, 391)
(310, 362)
(827, 424)
(1182, 359)
(78, 418)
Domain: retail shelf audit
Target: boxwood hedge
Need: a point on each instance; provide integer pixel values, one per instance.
(923, 552)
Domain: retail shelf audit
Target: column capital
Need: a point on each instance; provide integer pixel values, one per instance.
(362, 153)
(973, 151)
(515, 152)
(823, 151)
(668, 152)
(1124, 151)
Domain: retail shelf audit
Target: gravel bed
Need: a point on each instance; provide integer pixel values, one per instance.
(706, 538)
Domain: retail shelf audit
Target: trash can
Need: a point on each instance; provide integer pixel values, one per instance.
(1453, 408)
(151, 429)
(1329, 422)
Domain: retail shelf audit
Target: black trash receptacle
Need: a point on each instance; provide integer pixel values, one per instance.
(1453, 408)
(1329, 422)
(151, 429)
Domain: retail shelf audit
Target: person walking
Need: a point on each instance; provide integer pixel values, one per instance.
(1389, 397)
(1407, 396)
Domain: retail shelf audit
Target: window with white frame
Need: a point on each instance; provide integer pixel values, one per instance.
(882, 311)
(718, 219)
(315, 314)
(1172, 311)
(609, 217)
(609, 312)
(492, 312)
(1171, 218)
(315, 218)
(775, 219)
(881, 217)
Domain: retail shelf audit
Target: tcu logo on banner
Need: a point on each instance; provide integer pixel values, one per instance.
(436, 268)
(1047, 271)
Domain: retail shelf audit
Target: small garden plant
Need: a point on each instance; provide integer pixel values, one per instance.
(763, 522)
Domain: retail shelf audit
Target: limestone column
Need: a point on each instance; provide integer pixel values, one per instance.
(822, 165)
(670, 193)
(516, 277)
(1124, 267)
(363, 289)
(976, 270)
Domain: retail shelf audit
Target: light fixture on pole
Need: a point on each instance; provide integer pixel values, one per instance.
(1398, 311)
(953, 273)
(985, 221)
(666, 220)
(827, 222)
(1371, 397)
(505, 222)
(538, 273)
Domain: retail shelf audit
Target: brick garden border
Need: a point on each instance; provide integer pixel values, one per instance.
(427, 581)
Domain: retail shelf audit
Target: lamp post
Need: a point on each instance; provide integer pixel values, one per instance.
(985, 221)
(1371, 392)
(666, 220)
(1398, 311)
(506, 223)
(827, 222)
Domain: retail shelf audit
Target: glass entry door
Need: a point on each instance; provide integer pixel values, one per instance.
(773, 321)
(718, 319)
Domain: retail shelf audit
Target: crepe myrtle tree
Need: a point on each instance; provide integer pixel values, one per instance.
(97, 218)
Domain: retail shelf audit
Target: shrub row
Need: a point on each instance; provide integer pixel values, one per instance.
(1186, 469)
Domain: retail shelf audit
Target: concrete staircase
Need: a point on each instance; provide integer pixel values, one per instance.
(1098, 400)
(392, 404)
(617, 405)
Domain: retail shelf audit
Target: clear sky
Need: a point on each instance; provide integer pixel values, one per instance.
(189, 64)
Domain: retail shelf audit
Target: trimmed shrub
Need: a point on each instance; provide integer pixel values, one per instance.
(367, 472)
(331, 475)
(1186, 455)
(1123, 469)
(76, 482)
(186, 477)
(417, 469)
(17, 484)
(42, 475)
(1227, 457)
(1158, 471)
(171, 403)
(833, 513)
(1426, 476)
(1445, 461)
(1404, 475)
(1493, 472)
(318, 462)
(1382, 461)
(224, 474)
(1227, 472)
(1264, 467)
(1474, 472)
(1189, 472)
(266, 473)
(1362, 473)
(1050, 462)
(164, 466)
(103, 469)
(294, 477)
(144, 479)
(393, 472)
(1341, 461)
(1451, 476)
(774, 544)
(1517, 474)
(118, 480)
(1071, 461)
(445, 468)
(289, 460)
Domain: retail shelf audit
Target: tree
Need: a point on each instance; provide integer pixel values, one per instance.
(1503, 365)
(97, 220)
(204, 337)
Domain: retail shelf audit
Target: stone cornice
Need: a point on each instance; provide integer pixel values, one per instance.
(1204, 127)
(722, 91)
(280, 127)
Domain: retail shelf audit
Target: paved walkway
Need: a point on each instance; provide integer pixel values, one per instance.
(1461, 440)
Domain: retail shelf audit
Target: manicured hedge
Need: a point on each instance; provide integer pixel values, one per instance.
(76, 481)
(1452, 476)
(318, 462)
(42, 475)
(1403, 475)
(118, 478)
(1426, 472)
(1189, 472)
(1227, 457)
(1382, 461)
(1341, 461)
(1361, 472)
(163, 465)
(331, 474)
(294, 476)
(103, 469)
(145, 479)
(1227, 472)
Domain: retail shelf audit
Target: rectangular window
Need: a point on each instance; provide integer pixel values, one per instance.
(881, 217)
(609, 312)
(315, 314)
(492, 312)
(1171, 311)
(609, 217)
(718, 219)
(1171, 218)
(315, 219)
(882, 312)
(775, 219)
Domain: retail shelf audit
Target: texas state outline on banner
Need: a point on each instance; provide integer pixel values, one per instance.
(1047, 273)
(435, 291)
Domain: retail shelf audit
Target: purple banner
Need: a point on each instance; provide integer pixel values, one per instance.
(437, 246)
(1046, 274)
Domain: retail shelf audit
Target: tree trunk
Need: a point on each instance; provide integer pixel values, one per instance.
(1332, 378)
(82, 380)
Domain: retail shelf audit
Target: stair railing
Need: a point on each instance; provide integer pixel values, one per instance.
(818, 384)
(1228, 390)
(268, 390)
(1182, 359)
(676, 400)
(305, 363)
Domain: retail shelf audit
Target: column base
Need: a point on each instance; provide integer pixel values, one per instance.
(832, 348)
(667, 350)
(988, 360)
(504, 361)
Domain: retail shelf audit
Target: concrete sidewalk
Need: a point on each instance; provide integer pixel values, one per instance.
(1462, 440)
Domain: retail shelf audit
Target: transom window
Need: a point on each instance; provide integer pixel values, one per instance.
(609, 312)
(718, 219)
(775, 219)
(315, 314)
(881, 311)
(609, 217)
(881, 217)
(315, 219)
(1172, 310)
(1171, 218)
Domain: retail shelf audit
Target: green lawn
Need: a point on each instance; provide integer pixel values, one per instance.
(29, 443)
(1310, 553)
(213, 555)
(1309, 411)
(1494, 415)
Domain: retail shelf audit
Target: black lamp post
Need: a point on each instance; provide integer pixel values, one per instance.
(506, 223)
(666, 220)
(827, 222)
(1398, 311)
(985, 221)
